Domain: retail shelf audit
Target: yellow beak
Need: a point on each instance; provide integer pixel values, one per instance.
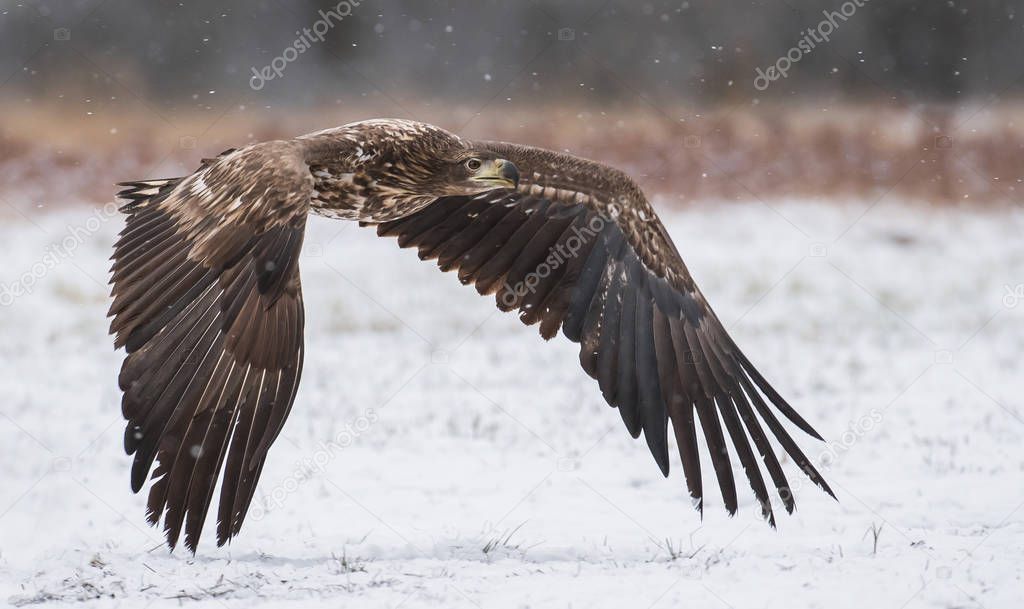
(499, 173)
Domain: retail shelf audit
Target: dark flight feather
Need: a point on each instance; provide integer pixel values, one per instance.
(646, 334)
(211, 319)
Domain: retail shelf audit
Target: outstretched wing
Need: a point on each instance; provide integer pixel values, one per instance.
(578, 247)
(208, 306)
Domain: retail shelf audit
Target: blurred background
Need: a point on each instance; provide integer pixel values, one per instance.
(730, 100)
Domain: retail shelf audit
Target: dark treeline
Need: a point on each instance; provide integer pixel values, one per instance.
(695, 51)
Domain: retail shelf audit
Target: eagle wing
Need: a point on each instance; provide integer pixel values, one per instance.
(208, 306)
(578, 247)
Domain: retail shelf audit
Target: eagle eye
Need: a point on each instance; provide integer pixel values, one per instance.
(473, 164)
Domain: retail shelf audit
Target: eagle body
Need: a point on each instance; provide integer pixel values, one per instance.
(207, 303)
(362, 171)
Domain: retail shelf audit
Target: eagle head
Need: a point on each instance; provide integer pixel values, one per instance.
(472, 171)
(422, 159)
(394, 167)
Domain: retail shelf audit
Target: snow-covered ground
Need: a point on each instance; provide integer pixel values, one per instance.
(439, 454)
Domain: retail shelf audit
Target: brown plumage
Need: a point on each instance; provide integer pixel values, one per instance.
(207, 302)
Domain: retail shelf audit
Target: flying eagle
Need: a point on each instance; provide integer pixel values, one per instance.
(207, 302)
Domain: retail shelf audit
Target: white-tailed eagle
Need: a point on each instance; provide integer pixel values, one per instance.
(207, 302)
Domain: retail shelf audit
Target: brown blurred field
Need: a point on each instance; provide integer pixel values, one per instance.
(52, 155)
